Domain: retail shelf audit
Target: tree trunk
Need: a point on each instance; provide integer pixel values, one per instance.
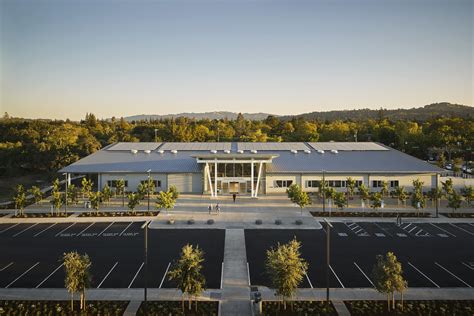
(81, 301)
(196, 304)
(393, 300)
(72, 301)
(388, 301)
(284, 304)
(190, 303)
(182, 302)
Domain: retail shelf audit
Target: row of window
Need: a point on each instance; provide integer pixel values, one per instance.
(334, 183)
(113, 183)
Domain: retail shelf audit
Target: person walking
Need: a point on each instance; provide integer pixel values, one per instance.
(210, 208)
(234, 196)
(218, 208)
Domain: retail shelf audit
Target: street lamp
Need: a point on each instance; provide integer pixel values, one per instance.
(145, 226)
(65, 194)
(328, 233)
(148, 188)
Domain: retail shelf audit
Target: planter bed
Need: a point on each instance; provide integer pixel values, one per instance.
(208, 308)
(368, 214)
(118, 214)
(422, 307)
(299, 308)
(41, 215)
(57, 308)
(458, 215)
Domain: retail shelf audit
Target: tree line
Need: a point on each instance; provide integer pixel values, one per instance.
(48, 145)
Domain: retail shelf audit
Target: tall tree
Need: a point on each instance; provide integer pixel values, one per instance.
(87, 185)
(20, 199)
(133, 201)
(165, 200)
(78, 276)
(187, 273)
(418, 200)
(340, 200)
(350, 185)
(454, 200)
(286, 268)
(468, 194)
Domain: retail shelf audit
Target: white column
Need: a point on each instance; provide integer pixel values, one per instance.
(207, 170)
(215, 178)
(251, 182)
(258, 178)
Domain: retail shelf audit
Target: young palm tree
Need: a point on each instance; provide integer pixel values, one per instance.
(20, 199)
(37, 193)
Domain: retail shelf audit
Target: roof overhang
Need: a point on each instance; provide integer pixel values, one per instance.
(234, 158)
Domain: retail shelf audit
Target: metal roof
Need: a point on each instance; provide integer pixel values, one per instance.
(136, 146)
(272, 146)
(196, 146)
(347, 146)
(386, 160)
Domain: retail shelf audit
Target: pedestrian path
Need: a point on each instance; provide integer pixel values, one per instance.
(235, 282)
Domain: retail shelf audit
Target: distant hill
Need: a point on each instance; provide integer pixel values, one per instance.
(199, 116)
(444, 109)
(422, 113)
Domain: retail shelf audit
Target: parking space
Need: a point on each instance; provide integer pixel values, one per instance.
(454, 230)
(115, 249)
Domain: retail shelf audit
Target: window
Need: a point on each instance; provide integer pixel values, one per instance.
(283, 183)
(313, 184)
(394, 184)
(377, 183)
(358, 183)
(157, 183)
(113, 183)
(336, 183)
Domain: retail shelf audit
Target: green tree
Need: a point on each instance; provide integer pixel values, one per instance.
(142, 190)
(376, 200)
(133, 201)
(57, 201)
(340, 200)
(106, 194)
(447, 186)
(363, 193)
(95, 198)
(120, 189)
(435, 194)
(20, 199)
(302, 200)
(72, 194)
(384, 189)
(454, 200)
(174, 190)
(78, 277)
(37, 194)
(150, 186)
(418, 200)
(350, 185)
(292, 191)
(187, 273)
(441, 162)
(165, 200)
(286, 268)
(87, 185)
(388, 278)
(400, 194)
(468, 194)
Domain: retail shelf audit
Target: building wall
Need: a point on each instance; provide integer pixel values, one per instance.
(133, 180)
(186, 182)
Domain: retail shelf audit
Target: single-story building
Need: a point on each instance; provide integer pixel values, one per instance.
(253, 168)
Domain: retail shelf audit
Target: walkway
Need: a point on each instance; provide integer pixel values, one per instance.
(235, 283)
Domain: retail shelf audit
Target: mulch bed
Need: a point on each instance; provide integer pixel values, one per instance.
(421, 307)
(61, 308)
(458, 215)
(368, 214)
(208, 308)
(299, 308)
(118, 214)
(41, 215)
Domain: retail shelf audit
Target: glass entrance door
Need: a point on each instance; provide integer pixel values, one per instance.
(234, 187)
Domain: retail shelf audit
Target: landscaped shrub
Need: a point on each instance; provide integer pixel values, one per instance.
(297, 308)
(368, 214)
(61, 308)
(190, 221)
(41, 215)
(258, 222)
(118, 214)
(422, 307)
(458, 215)
(278, 222)
(171, 221)
(174, 308)
(299, 222)
(210, 221)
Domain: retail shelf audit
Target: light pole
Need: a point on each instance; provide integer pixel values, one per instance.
(323, 186)
(65, 194)
(148, 188)
(145, 226)
(328, 233)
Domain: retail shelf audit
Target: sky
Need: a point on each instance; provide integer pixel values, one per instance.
(63, 58)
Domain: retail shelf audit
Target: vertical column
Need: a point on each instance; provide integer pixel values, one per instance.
(258, 178)
(252, 193)
(215, 178)
(207, 170)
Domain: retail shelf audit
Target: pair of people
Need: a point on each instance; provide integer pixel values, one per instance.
(217, 208)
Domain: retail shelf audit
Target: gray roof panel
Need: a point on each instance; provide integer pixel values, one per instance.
(136, 145)
(347, 146)
(196, 146)
(272, 146)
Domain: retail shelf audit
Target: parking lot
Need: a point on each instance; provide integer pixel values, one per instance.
(432, 255)
(31, 253)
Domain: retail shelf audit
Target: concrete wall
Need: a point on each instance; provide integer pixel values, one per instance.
(186, 182)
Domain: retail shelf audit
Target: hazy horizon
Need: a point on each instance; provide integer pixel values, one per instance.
(61, 59)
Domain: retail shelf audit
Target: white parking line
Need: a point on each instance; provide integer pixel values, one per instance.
(37, 234)
(460, 228)
(407, 226)
(22, 275)
(248, 273)
(136, 274)
(447, 232)
(64, 230)
(123, 231)
(24, 230)
(9, 228)
(339, 280)
(106, 276)
(364, 274)
(49, 275)
(423, 274)
(309, 281)
(383, 229)
(467, 265)
(105, 229)
(5, 267)
(79, 234)
(412, 229)
(164, 275)
(452, 274)
(222, 274)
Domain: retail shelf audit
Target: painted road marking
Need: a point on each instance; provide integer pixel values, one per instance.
(383, 229)
(107, 275)
(379, 234)
(467, 265)
(339, 280)
(105, 229)
(460, 228)
(423, 274)
(5, 267)
(443, 235)
(364, 274)
(222, 274)
(49, 275)
(37, 234)
(309, 281)
(64, 230)
(164, 276)
(401, 235)
(248, 273)
(452, 274)
(123, 231)
(79, 234)
(24, 230)
(9, 228)
(136, 274)
(412, 229)
(342, 234)
(447, 232)
(32, 267)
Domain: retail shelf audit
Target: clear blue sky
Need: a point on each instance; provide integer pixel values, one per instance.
(116, 58)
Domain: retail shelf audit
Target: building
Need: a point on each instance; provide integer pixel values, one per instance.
(229, 167)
